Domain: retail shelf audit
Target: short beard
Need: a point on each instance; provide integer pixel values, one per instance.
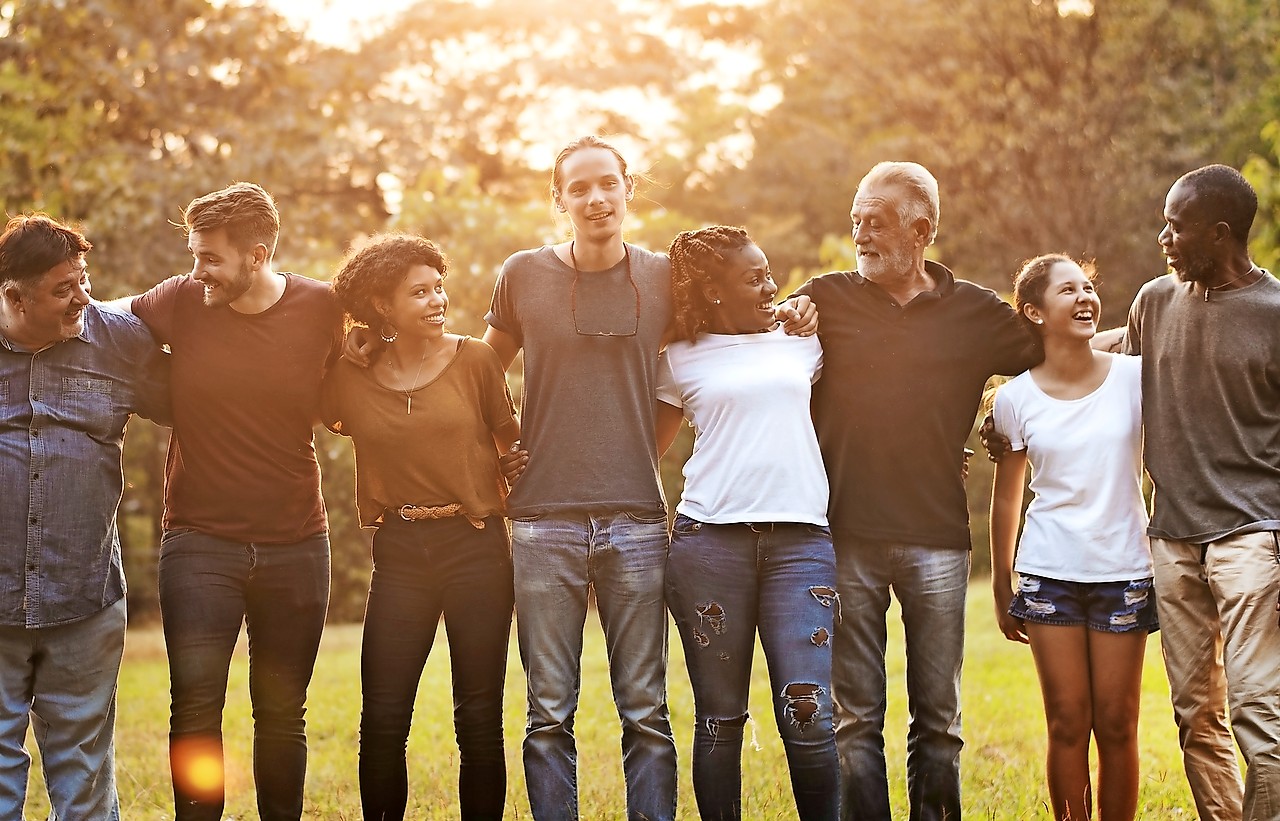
(233, 290)
(895, 263)
(1198, 269)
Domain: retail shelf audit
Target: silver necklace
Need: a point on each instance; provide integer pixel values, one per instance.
(1221, 285)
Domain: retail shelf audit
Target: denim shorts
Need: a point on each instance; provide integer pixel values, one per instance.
(1110, 607)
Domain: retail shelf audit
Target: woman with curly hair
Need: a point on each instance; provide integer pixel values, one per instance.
(750, 547)
(428, 419)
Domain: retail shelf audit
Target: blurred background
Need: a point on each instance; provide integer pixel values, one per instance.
(1050, 126)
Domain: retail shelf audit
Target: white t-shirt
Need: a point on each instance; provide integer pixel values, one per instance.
(1087, 522)
(755, 455)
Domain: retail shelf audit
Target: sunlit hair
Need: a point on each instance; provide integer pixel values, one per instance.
(697, 261)
(589, 141)
(921, 201)
(33, 244)
(243, 209)
(374, 270)
(1032, 279)
(1222, 194)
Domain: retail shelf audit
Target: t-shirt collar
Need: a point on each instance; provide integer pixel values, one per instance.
(945, 283)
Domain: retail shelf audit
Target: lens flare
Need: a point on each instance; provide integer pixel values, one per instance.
(197, 767)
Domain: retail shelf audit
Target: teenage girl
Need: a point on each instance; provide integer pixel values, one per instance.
(1084, 598)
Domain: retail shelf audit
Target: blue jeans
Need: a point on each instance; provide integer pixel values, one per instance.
(623, 556)
(930, 584)
(422, 570)
(723, 583)
(209, 587)
(64, 679)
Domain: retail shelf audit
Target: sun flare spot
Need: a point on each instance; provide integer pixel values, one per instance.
(197, 767)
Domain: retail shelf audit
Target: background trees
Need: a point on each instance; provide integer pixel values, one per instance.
(1051, 126)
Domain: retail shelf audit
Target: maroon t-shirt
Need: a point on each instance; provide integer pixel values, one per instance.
(246, 388)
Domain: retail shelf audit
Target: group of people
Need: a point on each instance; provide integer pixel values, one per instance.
(827, 476)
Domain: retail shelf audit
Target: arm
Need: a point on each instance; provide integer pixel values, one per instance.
(504, 344)
(668, 418)
(507, 439)
(1006, 511)
(1111, 340)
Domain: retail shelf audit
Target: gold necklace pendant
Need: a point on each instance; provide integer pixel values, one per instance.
(408, 392)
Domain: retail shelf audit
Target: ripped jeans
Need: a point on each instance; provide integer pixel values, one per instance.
(725, 582)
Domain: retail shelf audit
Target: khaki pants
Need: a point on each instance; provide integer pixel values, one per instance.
(1221, 641)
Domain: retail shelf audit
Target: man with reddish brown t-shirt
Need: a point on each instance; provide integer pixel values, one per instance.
(245, 534)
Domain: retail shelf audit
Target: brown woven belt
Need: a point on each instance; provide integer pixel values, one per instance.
(417, 513)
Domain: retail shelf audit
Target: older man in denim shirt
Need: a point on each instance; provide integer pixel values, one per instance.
(71, 373)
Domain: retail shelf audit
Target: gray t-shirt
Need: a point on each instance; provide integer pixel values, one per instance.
(1211, 406)
(587, 409)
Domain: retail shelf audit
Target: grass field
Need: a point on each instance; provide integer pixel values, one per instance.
(1003, 759)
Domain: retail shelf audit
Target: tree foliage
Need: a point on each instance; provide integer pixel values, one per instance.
(1048, 131)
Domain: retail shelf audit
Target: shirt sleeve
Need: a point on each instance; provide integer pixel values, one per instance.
(502, 315)
(665, 388)
(1132, 342)
(331, 396)
(1006, 419)
(498, 407)
(151, 397)
(157, 306)
(339, 333)
(1012, 344)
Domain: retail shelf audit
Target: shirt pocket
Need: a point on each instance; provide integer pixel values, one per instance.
(88, 402)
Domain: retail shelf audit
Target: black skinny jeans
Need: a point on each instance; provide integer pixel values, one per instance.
(422, 570)
(209, 587)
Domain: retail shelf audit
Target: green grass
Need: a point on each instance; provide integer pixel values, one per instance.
(1003, 759)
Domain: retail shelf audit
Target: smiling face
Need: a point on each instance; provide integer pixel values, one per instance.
(223, 269)
(1187, 238)
(1070, 306)
(886, 248)
(418, 304)
(52, 307)
(745, 289)
(593, 191)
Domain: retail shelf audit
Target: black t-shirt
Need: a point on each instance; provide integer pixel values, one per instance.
(898, 397)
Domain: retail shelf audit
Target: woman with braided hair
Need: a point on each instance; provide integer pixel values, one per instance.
(750, 547)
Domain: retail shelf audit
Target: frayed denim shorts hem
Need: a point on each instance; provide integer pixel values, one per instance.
(1108, 607)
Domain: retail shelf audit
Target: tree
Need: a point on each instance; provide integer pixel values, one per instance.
(1048, 131)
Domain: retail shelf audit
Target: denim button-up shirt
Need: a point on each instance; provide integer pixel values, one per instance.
(62, 416)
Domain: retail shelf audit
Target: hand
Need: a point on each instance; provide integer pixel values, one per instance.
(799, 316)
(996, 443)
(513, 462)
(1014, 629)
(361, 346)
(964, 466)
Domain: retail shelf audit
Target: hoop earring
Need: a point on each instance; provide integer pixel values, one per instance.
(388, 337)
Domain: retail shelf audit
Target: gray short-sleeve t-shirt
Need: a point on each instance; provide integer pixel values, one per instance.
(1211, 406)
(590, 359)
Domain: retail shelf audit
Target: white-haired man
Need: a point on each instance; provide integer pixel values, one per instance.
(907, 350)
